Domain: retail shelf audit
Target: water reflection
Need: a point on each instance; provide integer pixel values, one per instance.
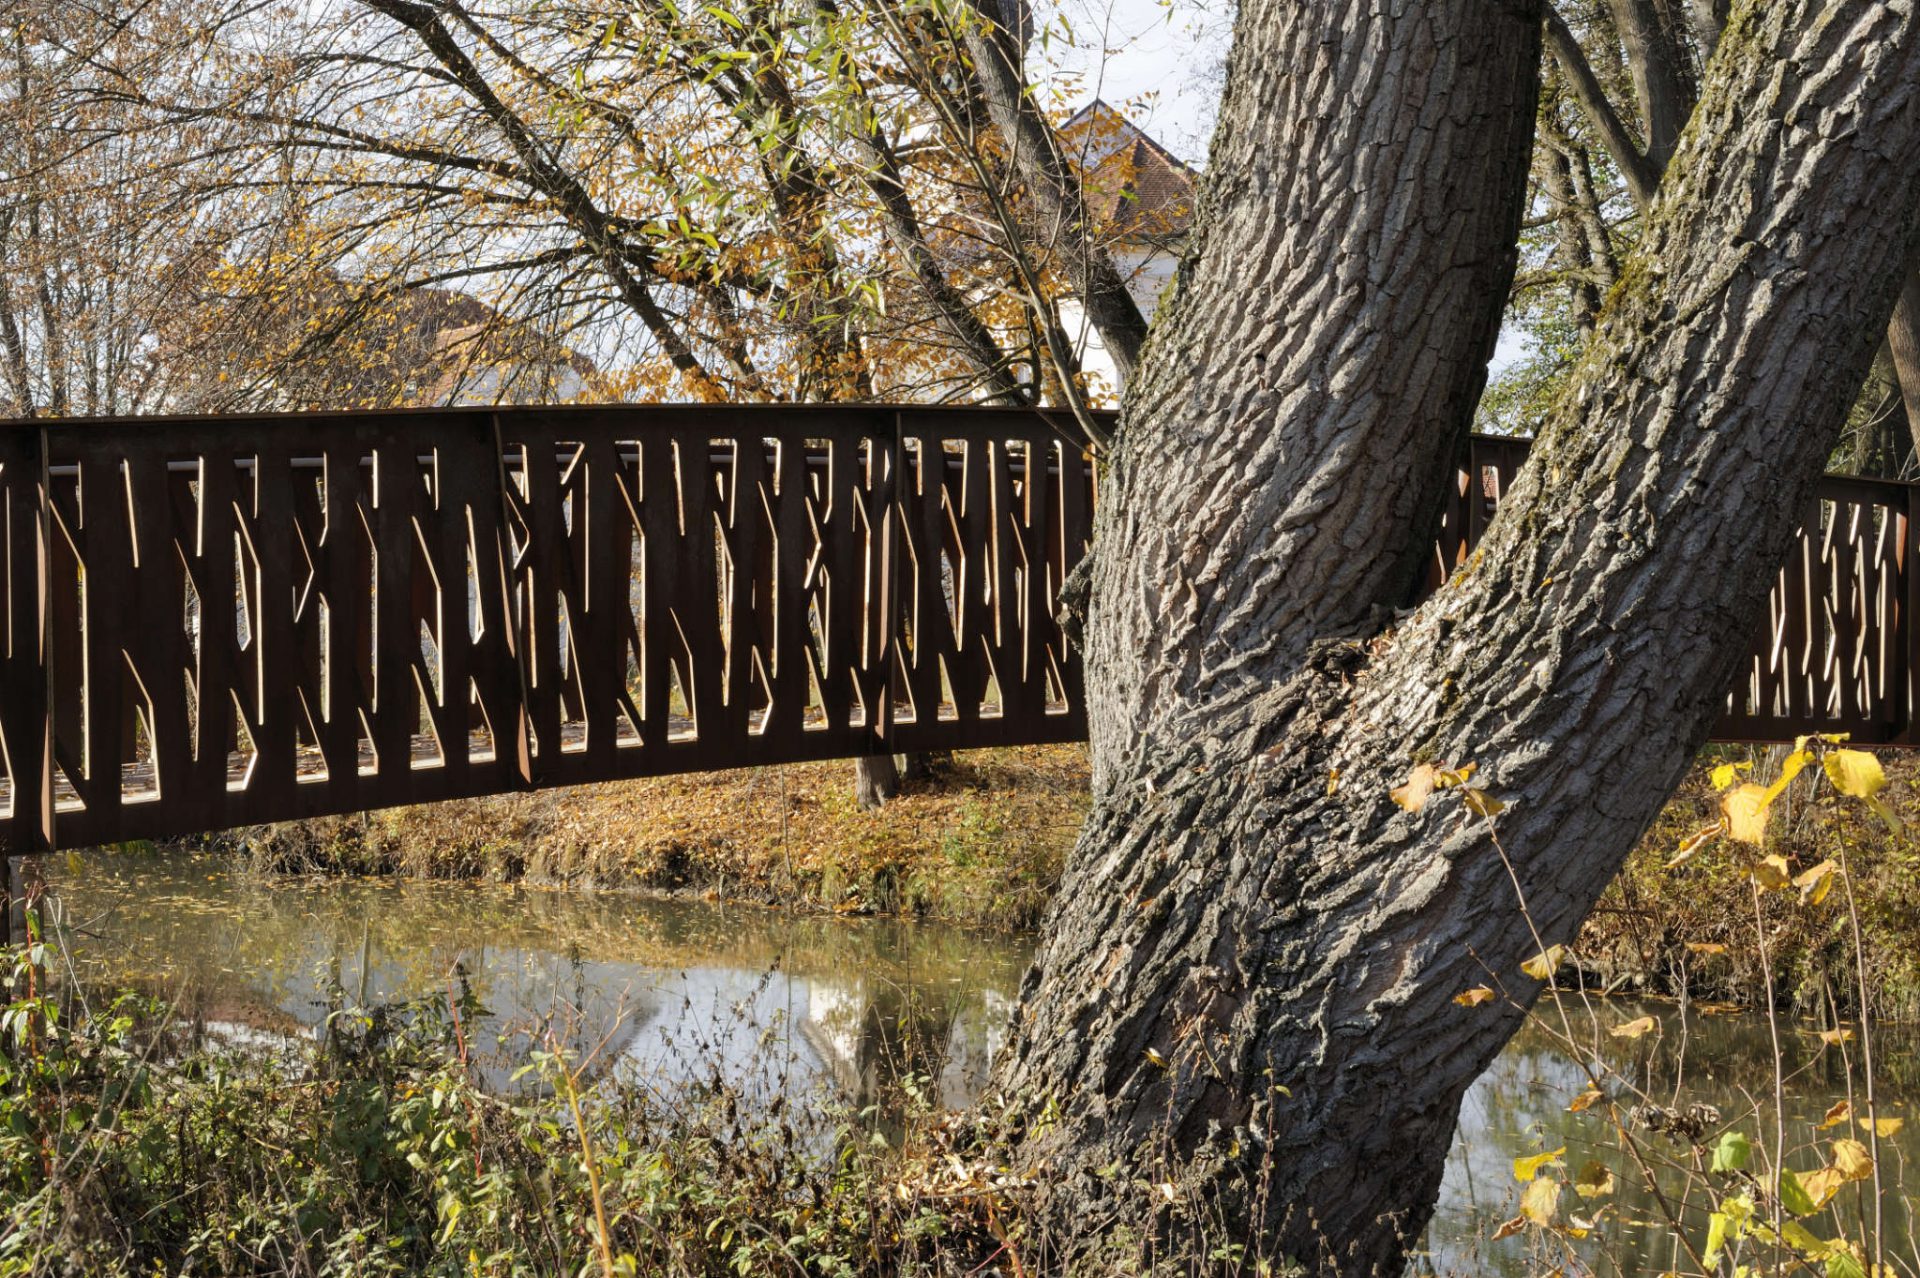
(1520, 1107)
(660, 991)
(653, 991)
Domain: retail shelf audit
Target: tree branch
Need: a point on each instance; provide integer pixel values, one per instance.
(1642, 177)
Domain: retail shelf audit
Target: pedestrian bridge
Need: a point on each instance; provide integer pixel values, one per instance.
(211, 622)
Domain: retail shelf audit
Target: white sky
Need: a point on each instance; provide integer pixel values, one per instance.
(1157, 59)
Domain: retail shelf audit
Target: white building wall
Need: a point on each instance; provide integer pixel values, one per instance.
(1148, 271)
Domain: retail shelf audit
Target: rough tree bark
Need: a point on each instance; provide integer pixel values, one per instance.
(1903, 343)
(1247, 910)
(876, 781)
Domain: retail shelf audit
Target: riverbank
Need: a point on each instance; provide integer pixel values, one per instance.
(419, 1127)
(1700, 926)
(359, 1074)
(981, 842)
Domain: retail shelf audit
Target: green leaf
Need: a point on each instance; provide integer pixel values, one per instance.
(1732, 1153)
(1729, 1224)
(1841, 1264)
(1717, 1227)
(1794, 1196)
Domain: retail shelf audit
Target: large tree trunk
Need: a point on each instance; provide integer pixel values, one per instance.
(1246, 984)
(1903, 343)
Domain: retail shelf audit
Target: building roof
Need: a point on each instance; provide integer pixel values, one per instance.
(1137, 190)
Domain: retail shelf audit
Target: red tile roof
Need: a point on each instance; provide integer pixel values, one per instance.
(1136, 189)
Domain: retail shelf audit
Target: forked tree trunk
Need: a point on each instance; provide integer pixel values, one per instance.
(1247, 910)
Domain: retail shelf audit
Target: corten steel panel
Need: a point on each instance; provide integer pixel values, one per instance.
(272, 617)
(25, 815)
(1834, 651)
(210, 622)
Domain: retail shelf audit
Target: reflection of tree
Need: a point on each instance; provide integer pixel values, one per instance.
(581, 963)
(874, 1035)
(164, 912)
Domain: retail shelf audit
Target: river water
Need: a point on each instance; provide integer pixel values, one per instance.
(650, 990)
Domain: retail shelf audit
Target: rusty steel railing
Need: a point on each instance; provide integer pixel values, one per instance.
(213, 622)
(1836, 650)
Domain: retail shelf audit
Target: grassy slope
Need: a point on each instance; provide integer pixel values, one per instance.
(1660, 927)
(980, 842)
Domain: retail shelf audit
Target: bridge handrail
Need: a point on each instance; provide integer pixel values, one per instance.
(486, 599)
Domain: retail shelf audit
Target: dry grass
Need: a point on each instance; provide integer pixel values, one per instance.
(981, 841)
(1660, 929)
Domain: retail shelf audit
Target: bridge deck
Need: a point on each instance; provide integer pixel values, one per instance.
(585, 594)
(139, 780)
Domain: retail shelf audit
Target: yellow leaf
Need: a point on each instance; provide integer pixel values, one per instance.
(1447, 778)
(1474, 997)
(1692, 846)
(1725, 775)
(1541, 1201)
(1838, 1114)
(1883, 1126)
(1800, 1237)
(1796, 761)
(1706, 947)
(1887, 815)
(1480, 803)
(1525, 1169)
(1508, 1228)
(1771, 873)
(1851, 1159)
(1419, 788)
(1855, 773)
(1729, 1224)
(1594, 1180)
(1815, 883)
(1637, 1028)
(1835, 1037)
(1542, 966)
(1746, 811)
(1586, 1100)
(1822, 1185)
